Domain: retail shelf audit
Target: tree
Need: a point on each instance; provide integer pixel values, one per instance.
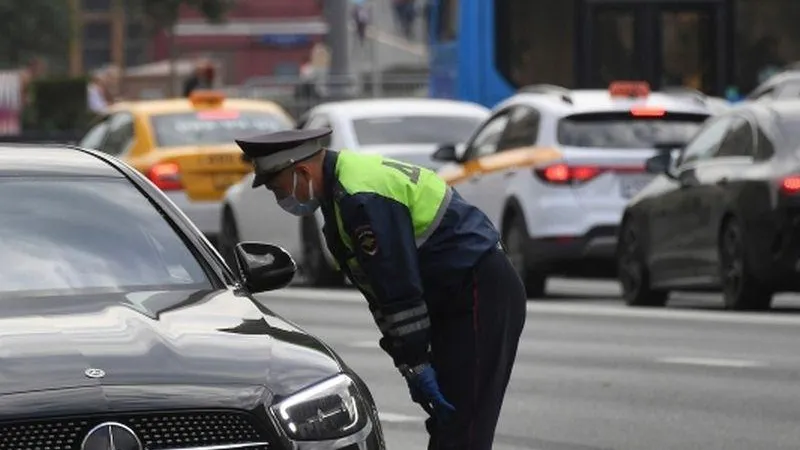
(162, 15)
(32, 28)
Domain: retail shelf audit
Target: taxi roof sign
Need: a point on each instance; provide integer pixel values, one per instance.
(206, 97)
(632, 89)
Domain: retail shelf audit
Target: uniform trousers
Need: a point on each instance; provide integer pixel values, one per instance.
(475, 330)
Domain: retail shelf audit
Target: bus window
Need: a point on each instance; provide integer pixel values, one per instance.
(531, 40)
(448, 20)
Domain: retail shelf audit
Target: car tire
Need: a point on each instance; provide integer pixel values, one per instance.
(316, 269)
(228, 238)
(515, 237)
(633, 273)
(740, 289)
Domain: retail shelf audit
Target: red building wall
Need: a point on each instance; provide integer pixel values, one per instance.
(245, 44)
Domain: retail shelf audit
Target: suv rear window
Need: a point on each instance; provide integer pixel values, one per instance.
(88, 236)
(214, 127)
(623, 130)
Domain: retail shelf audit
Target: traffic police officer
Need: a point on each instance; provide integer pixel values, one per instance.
(448, 302)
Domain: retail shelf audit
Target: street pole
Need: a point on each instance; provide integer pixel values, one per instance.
(377, 83)
(337, 12)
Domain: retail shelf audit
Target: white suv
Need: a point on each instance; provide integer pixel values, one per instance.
(554, 168)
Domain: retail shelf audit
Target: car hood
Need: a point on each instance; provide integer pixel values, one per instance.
(198, 340)
(417, 154)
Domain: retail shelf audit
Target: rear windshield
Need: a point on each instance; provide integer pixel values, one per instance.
(414, 129)
(214, 127)
(622, 130)
(87, 236)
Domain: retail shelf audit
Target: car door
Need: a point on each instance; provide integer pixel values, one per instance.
(671, 226)
(717, 176)
(467, 178)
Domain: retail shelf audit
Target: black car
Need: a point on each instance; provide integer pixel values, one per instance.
(724, 215)
(122, 328)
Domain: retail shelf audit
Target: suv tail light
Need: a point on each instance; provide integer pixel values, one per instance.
(791, 184)
(166, 176)
(566, 174)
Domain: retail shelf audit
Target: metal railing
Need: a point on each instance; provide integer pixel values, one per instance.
(297, 95)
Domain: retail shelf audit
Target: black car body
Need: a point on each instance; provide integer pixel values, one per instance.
(724, 214)
(119, 321)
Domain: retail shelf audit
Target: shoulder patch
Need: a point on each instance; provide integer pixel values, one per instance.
(366, 240)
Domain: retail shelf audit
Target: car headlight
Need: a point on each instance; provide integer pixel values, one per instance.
(329, 410)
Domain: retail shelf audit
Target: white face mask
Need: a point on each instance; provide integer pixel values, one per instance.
(294, 206)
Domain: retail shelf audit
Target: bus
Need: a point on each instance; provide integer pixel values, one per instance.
(485, 50)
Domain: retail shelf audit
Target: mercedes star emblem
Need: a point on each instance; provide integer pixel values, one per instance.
(111, 436)
(95, 373)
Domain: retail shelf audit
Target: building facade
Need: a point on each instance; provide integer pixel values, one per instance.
(258, 38)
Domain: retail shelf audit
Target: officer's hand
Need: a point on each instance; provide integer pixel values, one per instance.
(425, 391)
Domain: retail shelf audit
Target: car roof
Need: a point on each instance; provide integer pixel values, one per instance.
(402, 106)
(52, 161)
(782, 107)
(562, 102)
(178, 105)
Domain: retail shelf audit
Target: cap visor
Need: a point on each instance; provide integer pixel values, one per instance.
(260, 180)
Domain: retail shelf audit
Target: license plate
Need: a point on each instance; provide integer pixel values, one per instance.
(631, 185)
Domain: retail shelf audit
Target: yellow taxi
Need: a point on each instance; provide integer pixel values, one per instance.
(186, 147)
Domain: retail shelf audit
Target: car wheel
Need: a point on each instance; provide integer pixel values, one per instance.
(316, 269)
(515, 238)
(228, 238)
(633, 274)
(740, 289)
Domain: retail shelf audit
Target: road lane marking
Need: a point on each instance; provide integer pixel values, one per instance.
(562, 308)
(398, 418)
(712, 362)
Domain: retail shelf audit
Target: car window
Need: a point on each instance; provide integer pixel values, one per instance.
(417, 129)
(95, 136)
(740, 140)
(623, 130)
(765, 148)
(705, 144)
(485, 142)
(82, 236)
(522, 129)
(120, 134)
(214, 127)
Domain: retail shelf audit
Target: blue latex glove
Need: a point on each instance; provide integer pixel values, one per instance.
(425, 391)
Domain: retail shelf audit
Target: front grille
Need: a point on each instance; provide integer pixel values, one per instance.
(156, 431)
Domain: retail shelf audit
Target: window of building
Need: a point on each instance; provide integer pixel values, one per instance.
(96, 5)
(96, 44)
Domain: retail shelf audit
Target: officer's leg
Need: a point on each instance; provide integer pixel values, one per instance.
(499, 318)
(474, 352)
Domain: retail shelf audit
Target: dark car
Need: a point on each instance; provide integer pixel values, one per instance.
(122, 328)
(724, 215)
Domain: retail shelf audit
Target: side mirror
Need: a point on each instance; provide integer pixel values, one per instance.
(660, 164)
(264, 267)
(446, 153)
(246, 158)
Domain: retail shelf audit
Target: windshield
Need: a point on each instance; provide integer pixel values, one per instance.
(214, 127)
(83, 236)
(622, 130)
(414, 129)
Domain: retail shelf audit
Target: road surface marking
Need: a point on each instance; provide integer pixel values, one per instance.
(563, 308)
(713, 362)
(398, 418)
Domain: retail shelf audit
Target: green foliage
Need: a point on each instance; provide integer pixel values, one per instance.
(31, 28)
(59, 104)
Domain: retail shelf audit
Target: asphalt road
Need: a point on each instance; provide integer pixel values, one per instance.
(592, 374)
